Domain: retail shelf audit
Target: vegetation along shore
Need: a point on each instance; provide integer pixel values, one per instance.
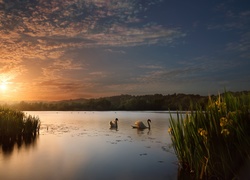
(214, 143)
(157, 102)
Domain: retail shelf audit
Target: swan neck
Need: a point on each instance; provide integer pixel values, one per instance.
(148, 125)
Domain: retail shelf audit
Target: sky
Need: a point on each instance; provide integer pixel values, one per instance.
(68, 49)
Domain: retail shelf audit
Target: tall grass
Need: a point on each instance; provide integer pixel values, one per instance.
(215, 142)
(16, 123)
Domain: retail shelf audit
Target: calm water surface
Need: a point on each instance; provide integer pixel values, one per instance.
(80, 145)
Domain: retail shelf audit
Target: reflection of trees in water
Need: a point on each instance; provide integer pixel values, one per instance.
(9, 143)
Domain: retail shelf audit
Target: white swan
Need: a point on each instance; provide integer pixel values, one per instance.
(113, 124)
(141, 125)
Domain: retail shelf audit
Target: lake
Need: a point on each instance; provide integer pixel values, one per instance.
(80, 145)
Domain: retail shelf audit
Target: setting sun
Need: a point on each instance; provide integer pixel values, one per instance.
(3, 86)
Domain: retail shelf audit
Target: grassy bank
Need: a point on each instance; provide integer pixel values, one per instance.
(215, 142)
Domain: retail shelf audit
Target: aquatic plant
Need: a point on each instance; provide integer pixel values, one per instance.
(215, 141)
(15, 123)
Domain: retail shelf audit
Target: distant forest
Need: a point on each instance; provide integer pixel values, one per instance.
(156, 102)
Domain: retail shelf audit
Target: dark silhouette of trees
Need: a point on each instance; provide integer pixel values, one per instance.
(122, 102)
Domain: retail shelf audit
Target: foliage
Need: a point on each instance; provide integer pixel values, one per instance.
(116, 103)
(214, 142)
(16, 123)
(16, 129)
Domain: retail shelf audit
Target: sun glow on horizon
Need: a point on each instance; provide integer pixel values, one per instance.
(3, 86)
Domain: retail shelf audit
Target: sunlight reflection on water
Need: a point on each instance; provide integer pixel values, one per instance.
(80, 145)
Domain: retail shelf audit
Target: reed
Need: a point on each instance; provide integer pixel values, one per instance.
(16, 123)
(214, 142)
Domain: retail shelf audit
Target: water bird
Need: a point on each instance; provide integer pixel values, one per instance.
(113, 124)
(141, 125)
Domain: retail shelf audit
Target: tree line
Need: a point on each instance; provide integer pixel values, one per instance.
(122, 102)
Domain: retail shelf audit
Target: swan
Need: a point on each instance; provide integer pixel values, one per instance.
(113, 124)
(141, 125)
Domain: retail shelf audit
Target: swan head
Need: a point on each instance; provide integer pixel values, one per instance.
(116, 119)
(149, 120)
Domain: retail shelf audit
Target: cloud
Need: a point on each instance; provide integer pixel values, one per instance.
(57, 89)
(242, 46)
(10, 71)
(98, 74)
(58, 67)
(93, 23)
(52, 33)
(61, 86)
(123, 36)
(48, 30)
(151, 67)
(67, 65)
(165, 75)
(230, 17)
(115, 51)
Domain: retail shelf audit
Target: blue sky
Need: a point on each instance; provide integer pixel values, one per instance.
(67, 49)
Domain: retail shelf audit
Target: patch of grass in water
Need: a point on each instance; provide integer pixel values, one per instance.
(16, 127)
